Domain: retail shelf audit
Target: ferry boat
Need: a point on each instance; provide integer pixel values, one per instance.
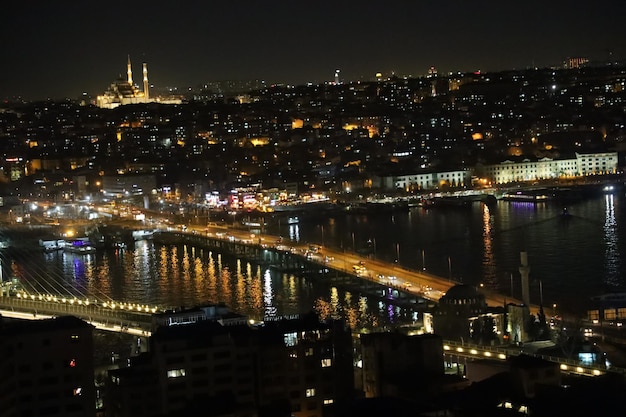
(530, 196)
(82, 246)
(142, 234)
(52, 245)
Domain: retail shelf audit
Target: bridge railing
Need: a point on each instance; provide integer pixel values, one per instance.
(503, 352)
(89, 312)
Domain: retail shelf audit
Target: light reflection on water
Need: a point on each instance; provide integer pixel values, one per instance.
(611, 242)
(573, 259)
(182, 275)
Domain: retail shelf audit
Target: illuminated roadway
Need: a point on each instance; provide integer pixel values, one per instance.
(420, 283)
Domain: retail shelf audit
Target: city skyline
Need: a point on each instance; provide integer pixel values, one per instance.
(62, 49)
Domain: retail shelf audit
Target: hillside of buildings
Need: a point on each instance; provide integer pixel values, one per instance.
(337, 138)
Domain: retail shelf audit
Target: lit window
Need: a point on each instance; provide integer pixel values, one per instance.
(326, 363)
(308, 352)
(75, 338)
(291, 339)
(328, 401)
(175, 373)
(310, 392)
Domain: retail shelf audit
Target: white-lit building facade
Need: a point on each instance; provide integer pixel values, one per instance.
(528, 170)
(601, 163)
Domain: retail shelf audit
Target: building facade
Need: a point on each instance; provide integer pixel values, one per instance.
(508, 171)
(546, 168)
(400, 365)
(298, 367)
(47, 368)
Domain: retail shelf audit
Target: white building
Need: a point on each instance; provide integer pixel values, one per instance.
(427, 181)
(508, 171)
(546, 168)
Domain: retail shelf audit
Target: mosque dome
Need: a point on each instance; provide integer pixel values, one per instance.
(464, 295)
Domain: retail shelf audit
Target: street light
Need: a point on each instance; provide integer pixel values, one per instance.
(397, 252)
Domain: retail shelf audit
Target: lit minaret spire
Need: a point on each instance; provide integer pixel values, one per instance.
(524, 271)
(146, 90)
(129, 71)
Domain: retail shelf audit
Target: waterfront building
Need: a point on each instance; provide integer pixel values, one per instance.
(128, 185)
(546, 168)
(428, 180)
(609, 309)
(510, 170)
(296, 366)
(47, 367)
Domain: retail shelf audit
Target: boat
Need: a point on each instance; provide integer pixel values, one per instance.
(529, 196)
(82, 246)
(51, 245)
(142, 234)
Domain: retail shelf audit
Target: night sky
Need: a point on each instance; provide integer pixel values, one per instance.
(56, 49)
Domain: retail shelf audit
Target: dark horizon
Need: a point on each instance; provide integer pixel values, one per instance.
(62, 49)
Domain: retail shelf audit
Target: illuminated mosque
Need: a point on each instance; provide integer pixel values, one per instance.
(123, 91)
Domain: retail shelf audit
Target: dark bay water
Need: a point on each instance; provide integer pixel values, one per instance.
(570, 259)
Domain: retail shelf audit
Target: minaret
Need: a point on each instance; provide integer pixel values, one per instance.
(146, 89)
(129, 71)
(524, 271)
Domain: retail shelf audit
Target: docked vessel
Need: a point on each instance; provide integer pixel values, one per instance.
(82, 246)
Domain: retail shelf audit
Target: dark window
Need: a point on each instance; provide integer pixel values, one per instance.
(49, 410)
(74, 407)
(200, 370)
(221, 355)
(199, 357)
(23, 368)
(224, 380)
(48, 380)
(174, 359)
(200, 383)
(223, 367)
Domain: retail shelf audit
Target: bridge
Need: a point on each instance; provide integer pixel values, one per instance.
(338, 266)
(459, 352)
(388, 280)
(112, 316)
(374, 277)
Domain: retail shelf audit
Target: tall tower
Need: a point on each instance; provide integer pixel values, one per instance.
(337, 76)
(524, 271)
(146, 90)
(129, 71)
